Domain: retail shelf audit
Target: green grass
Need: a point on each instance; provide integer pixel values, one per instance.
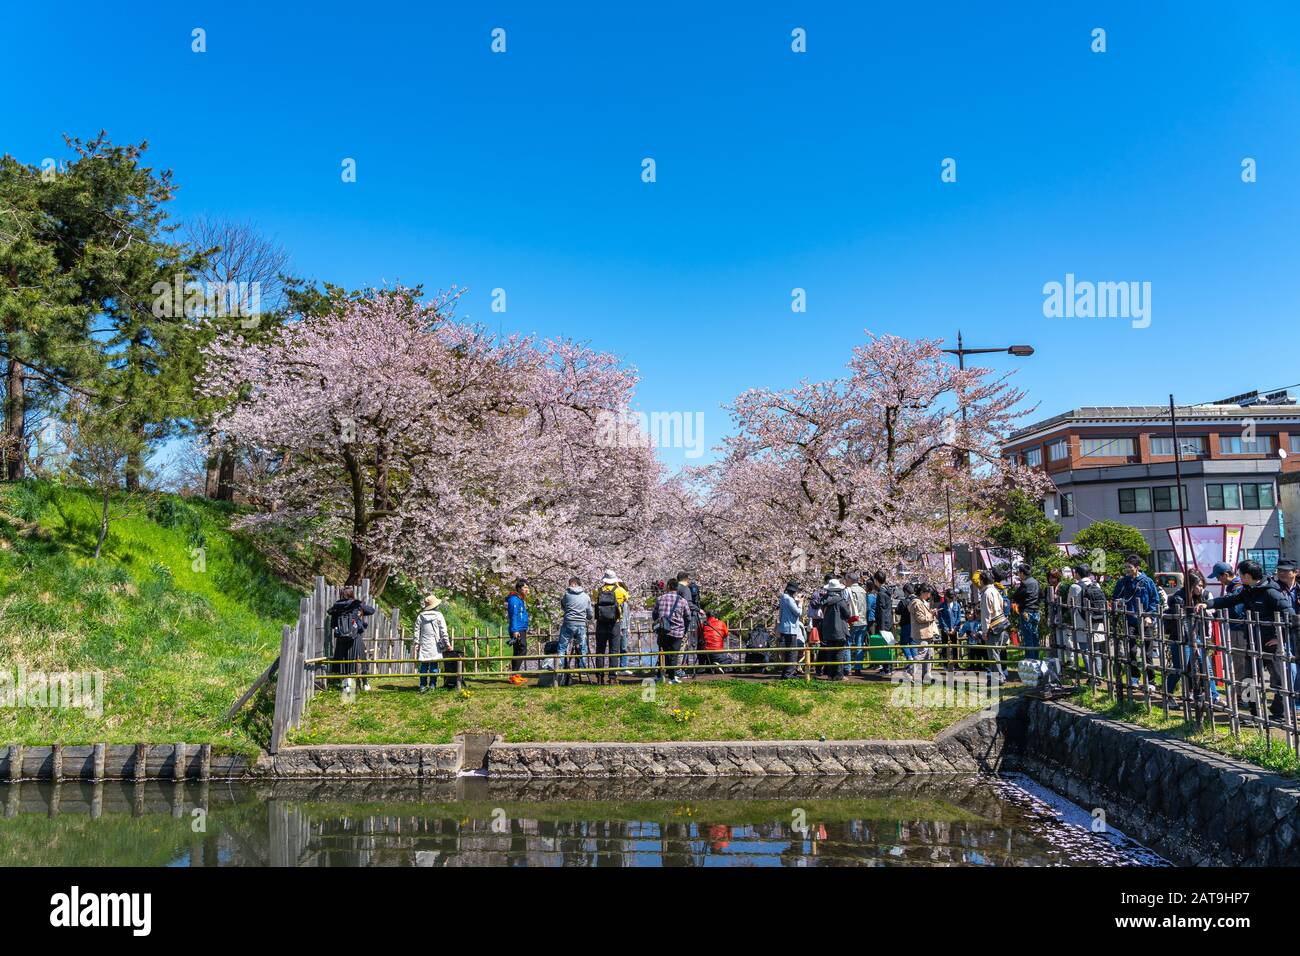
(704, 710)
(1272, 754)
(179, 614)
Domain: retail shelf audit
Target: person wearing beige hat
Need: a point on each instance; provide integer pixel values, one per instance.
(431, 641)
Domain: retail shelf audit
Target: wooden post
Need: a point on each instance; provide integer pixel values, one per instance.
(205, 762)
(56, 762)
(140, 768)
(178, 764)
(299, 672)
(15, 762)
(283, 694)
(395, 626)
(97, 774)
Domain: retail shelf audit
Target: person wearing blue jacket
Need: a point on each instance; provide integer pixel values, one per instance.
(950, 621)
(517, 623)
(1136, 593)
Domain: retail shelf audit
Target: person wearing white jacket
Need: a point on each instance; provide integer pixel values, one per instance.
(431, 641)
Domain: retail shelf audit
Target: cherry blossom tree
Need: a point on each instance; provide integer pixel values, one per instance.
(856, 472)
(459, 459)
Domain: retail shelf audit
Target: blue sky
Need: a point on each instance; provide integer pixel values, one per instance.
(775, 170)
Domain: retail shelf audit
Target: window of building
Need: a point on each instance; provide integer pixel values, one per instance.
(1222, 497)
(1164, 499)
(1192, 446)
(1106, 447)
(1166, 561)
(1067, 504)
(1133, 500)
(1033, 457)
(1236, 445)
(1268, 557)
(1295, 444)
(1059, 450)
(1256, 496)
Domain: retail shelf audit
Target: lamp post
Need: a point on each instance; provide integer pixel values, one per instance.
(963, 458)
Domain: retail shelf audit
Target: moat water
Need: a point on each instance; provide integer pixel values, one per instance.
(869, 821)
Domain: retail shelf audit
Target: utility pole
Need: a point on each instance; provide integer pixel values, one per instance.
(1178, 482)
(962, 458)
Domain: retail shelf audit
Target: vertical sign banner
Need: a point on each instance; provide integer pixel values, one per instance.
(1209, 545)
(937, 564)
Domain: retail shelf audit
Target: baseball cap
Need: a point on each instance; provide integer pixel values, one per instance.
(1220, 568)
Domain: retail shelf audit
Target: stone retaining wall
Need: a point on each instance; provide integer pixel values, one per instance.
(435, 761)
(1188, 804)
(978, 744)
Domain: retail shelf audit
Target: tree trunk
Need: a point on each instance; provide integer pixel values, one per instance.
(210, 467)
(131, 476)
(15, 418)
(226, 472)
(13, 443)
(360, 563)
(133, 473)
(103, 526)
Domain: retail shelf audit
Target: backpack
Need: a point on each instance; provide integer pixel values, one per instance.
(607, 609)
(663, 627)
(1092, 599)
(756, 646)
(347, 625)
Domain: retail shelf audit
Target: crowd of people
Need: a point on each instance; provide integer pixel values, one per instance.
(860, 624)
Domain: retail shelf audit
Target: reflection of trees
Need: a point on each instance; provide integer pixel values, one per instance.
(684, 822)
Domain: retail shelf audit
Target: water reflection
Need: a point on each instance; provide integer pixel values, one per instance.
(911, 821)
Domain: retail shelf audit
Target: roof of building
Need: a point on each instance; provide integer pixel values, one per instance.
(1248, 405)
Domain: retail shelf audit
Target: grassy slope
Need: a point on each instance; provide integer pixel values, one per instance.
(712, 710)
(177, 641)
(1273, 754)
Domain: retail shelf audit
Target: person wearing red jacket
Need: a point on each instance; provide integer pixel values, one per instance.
(713, 640)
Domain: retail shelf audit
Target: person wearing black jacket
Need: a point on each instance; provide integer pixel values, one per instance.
(1261, 598)
(836, 611)
(690, 593)
(347, 623)
(903, 618)
(1027, 599)
(886, 600)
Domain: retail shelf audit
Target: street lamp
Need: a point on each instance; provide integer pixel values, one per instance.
(1020, 351)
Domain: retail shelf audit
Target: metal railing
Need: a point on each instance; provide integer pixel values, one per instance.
(1214, 669)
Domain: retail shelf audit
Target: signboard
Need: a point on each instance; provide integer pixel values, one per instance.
(990, 558)
(1209, 545)
(937, 564)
